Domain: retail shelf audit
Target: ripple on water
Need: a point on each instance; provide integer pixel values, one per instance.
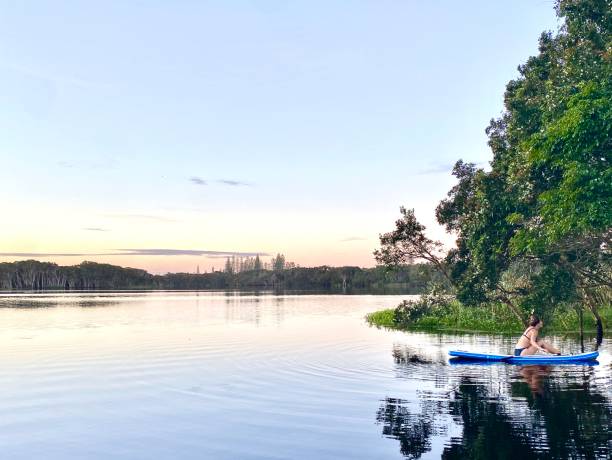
(180, 375)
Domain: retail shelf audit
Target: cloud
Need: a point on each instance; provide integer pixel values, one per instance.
(352, 238)
(440, 168)
(437, 169)
(187, 252)
(46, 254)
(140, 252)
(197, 180)
(95, 229)
(233, 183)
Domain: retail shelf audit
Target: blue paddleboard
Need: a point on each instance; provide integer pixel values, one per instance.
(532, 359)
(552, 359)
(478, 356)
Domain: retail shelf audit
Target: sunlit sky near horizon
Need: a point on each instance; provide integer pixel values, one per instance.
(130, 128)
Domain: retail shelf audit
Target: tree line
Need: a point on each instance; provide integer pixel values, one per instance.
(236, 264)
(36, 275)
(534, 231)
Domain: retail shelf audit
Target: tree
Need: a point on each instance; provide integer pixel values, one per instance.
(229, 267)
(535, 230)
(561, 165)
(408, 243)
(278, 263)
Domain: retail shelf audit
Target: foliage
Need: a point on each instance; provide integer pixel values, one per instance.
(382, 318)
(408, 242)
(32, 274)
(278, 263)
(408, 312)
(535, 231)
(493, 318)
(257, 266)
(569, 165)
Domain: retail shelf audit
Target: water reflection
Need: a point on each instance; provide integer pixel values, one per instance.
(535, 376)
(195, 375)
(405, 355)
(500, 411)
(414, 430)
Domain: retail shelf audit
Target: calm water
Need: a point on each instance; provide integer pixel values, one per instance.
(171, 375)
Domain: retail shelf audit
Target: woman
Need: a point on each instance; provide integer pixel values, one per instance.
(529, 343)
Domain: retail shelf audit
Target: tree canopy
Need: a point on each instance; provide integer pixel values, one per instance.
(534, 230)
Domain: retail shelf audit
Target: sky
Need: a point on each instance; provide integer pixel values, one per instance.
(169, 134)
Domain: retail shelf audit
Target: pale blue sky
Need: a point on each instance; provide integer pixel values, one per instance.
(322, 118)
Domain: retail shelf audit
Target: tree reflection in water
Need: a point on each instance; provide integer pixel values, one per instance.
(414, 431)
(503, 412)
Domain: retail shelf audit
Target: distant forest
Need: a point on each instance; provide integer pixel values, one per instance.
(237, 274)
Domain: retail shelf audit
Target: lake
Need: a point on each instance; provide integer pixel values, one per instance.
(213, 375)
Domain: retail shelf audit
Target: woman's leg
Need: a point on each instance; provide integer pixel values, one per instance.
(548, 347)
(530, 350)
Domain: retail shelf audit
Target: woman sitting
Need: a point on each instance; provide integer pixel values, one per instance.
(529, 343)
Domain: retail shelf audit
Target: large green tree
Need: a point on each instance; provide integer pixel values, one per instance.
(535, 229)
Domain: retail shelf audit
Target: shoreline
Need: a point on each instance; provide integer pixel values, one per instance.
(469, 320)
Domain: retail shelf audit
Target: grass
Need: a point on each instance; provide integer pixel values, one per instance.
(493, 319)
(381, 318)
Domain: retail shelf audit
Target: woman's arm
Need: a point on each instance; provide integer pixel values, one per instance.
(533, 339)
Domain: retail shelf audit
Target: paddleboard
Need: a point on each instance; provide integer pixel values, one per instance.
(551, 359)
(532, 359)
(478, 356)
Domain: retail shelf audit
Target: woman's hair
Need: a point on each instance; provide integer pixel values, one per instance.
(534, 320)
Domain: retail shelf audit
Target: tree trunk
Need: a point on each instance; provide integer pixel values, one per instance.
(581, 329)
(515, 310)
(591, 304)
(599, 323)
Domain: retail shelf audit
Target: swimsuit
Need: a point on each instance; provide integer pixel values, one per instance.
(518, 351)
(525, 333)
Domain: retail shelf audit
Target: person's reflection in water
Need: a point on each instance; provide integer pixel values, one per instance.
(534, 376)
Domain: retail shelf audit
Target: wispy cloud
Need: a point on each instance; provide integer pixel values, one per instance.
(95, 229)
(233, 183)
(48, 254)
(438, 168)
(197, 180)
(186, 252)
(230, 182)
(139, 252)
(352, 238)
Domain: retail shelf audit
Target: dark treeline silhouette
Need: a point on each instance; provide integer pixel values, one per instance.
(36, 275)
(32, 274)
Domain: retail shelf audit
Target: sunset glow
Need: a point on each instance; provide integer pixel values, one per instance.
(241, 129)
